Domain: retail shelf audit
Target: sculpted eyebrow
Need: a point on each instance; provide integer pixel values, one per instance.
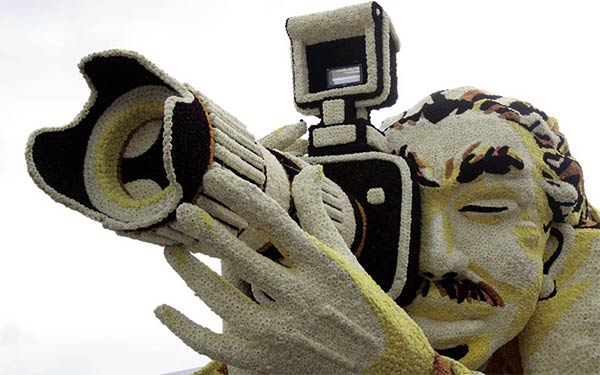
(496, 160)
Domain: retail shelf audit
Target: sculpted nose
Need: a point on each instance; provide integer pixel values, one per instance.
(440, 257)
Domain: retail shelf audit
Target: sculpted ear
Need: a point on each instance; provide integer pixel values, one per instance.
(553, 262)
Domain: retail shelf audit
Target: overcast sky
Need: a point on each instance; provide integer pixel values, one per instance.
(77, 299)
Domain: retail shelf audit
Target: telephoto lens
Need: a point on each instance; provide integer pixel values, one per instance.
(141, 146)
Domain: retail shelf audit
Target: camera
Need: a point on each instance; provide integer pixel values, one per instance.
(344, 66)
(143, 142)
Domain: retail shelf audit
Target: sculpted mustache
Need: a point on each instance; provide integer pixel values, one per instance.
(462, 290)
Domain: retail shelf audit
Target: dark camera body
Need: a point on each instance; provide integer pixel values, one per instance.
(345, 66)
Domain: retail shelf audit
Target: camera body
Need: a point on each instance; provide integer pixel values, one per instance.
(143, 142)
(344, 66)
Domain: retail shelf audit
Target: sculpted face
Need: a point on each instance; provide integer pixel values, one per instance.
(483, 231)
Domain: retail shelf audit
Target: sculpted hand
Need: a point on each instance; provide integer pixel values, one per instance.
(319, 314)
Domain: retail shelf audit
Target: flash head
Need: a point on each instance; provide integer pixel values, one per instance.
(348, 53)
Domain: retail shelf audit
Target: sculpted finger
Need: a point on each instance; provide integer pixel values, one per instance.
(191, 244)
(285, 136)
(170, 232)
(223, 298)
(312, 212)
(260, 211)
(149, 236)
(217, 210)
(227, 348)
(250, 265)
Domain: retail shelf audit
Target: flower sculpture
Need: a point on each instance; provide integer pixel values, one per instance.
(457, 238)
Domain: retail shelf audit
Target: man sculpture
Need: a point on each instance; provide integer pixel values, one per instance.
(457, 239)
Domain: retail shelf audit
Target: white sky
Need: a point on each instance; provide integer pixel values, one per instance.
(77, 299)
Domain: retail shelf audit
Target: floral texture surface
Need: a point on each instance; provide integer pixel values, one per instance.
(456, 239)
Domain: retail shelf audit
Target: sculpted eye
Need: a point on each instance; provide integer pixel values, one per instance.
(490, 211)
(483, 209)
